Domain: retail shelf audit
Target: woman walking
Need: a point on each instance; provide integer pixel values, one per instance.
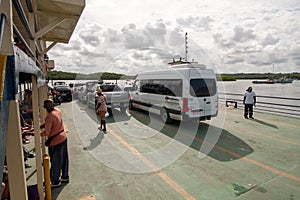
(101, 109)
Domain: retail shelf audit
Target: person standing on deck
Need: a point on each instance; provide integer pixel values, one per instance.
(58, 147)
(101, 108)
(249, 101)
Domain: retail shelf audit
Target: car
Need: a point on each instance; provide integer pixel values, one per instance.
(55, 95)
(82, 94)
(65, 92)
(127, 88)
(60, 83)
(76, 87)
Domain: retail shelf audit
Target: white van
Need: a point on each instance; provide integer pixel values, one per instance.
(186, 91)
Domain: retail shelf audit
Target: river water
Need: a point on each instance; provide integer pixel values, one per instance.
(290, 90)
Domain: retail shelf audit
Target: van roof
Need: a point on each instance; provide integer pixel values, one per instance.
(190, 65)
(173, 70)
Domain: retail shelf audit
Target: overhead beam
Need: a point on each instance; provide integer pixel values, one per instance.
(49, 47)
(49, 27)
(23, 18)
(57, 14)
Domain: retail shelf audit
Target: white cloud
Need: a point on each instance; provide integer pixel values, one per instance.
(269, 40)
(240, 36)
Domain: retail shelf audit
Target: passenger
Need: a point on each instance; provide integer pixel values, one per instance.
(58, 147)
(26, 107)
(249, 101)
(26, 130)
(5, 186)
(101, 109)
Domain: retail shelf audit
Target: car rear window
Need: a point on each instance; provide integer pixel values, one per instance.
(63, 89)
(110, 88)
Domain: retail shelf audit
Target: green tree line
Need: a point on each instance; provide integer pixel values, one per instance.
(60, 75)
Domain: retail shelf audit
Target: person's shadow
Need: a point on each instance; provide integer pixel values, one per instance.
(265, 123)
(95, 141)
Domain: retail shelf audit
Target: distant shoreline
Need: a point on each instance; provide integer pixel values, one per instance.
(60, 75)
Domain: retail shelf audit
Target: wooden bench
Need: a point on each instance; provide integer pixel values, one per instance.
(231, 102)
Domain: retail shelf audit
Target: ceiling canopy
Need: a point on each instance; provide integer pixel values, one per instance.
(47, 20)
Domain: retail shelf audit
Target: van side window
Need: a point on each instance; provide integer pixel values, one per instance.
(171, 87)
(203, 87)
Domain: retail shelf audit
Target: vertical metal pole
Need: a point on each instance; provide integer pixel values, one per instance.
(47, 177)
(186, 47)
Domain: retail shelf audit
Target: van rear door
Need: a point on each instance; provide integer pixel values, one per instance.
(204, 92)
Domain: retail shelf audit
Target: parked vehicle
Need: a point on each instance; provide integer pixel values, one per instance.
(115, 97)
(76, 88)
(59, 83)
(65, 92)
(127, 88)
(56, 96)
(187, 91)
(82, 94)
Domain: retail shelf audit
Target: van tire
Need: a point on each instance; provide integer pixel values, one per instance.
(165, 116)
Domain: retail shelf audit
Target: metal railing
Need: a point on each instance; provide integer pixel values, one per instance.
(272, 104)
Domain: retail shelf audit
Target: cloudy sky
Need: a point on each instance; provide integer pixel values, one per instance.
(230, 36)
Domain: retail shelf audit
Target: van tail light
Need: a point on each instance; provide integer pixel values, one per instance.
(185, 107)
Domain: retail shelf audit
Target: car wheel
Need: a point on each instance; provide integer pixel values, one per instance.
(123, 109)
(165, 116)
(130, 106)
(109, 110)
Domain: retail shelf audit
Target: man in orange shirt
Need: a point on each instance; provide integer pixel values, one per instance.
(58, 147)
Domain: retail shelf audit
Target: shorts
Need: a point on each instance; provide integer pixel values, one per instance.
(102, 114)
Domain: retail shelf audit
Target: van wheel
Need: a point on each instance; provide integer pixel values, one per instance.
(165, 116)
(130, 106)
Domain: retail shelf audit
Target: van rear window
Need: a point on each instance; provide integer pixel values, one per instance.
(203, 87)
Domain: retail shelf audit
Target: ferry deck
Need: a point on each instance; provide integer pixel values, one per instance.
(228, 157)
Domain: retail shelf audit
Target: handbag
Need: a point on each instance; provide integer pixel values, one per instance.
(49, 140)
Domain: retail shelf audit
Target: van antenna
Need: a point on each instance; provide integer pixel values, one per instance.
(186, 47)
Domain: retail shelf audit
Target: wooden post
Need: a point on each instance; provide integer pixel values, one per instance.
(43, 96)
(14, 154)
(37, 137)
